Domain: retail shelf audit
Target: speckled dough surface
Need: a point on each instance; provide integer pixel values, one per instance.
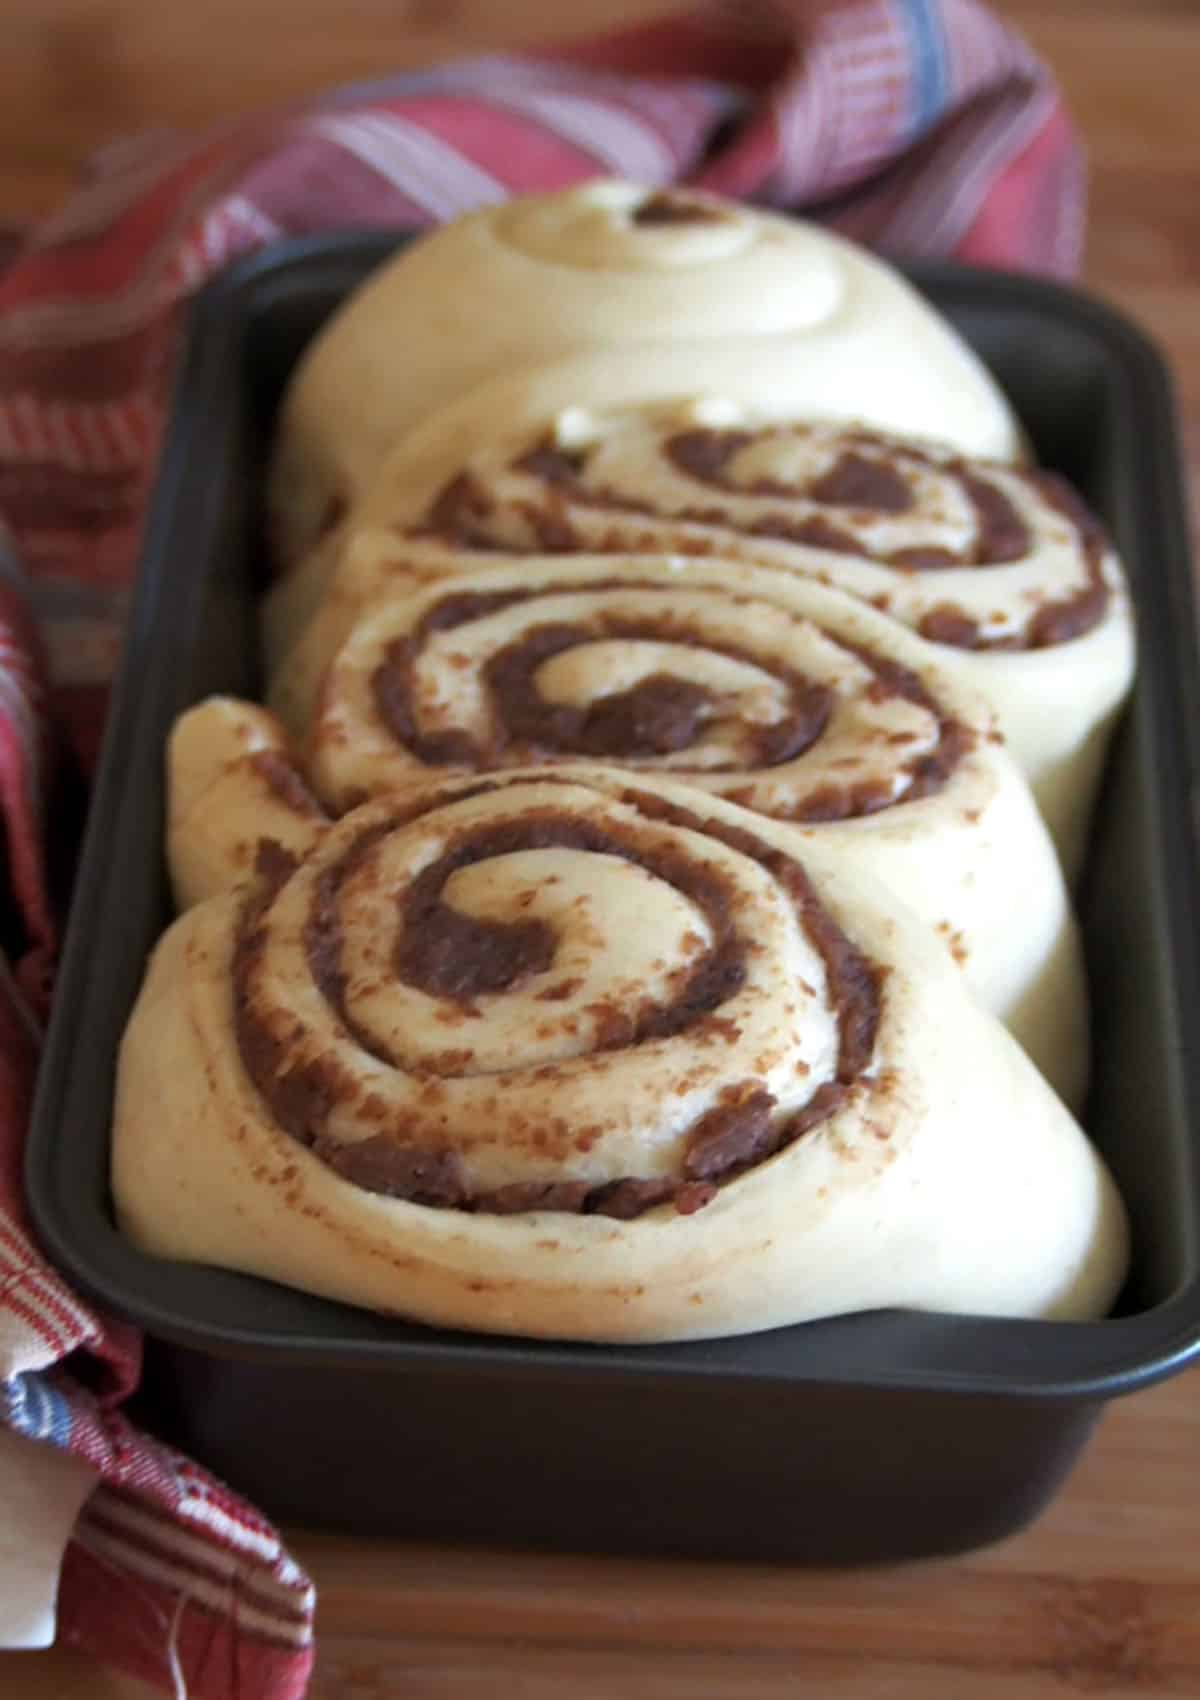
(778, 693)
(1000, 567)
(684, 1082)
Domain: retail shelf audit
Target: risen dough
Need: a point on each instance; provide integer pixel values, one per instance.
(939, 1171)
(750, 648)
(1000, 566)
(232, 784)
(769, 308)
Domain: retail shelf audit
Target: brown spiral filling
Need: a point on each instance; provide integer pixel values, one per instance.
(662, 714)
(286, 783)
(464, 511)
(459, 958)
(670, 207)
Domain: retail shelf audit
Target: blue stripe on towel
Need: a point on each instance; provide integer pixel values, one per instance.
(930, 70)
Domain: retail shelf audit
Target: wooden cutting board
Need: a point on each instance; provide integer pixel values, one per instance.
(1100, 1598)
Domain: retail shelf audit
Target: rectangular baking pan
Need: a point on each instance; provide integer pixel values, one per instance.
(881, 1435)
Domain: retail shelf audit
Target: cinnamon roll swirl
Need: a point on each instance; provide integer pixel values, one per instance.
(681, 288)
(565, 1056)
(786, 697)
(1001, 567)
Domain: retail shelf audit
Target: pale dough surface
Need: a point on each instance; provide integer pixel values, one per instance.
(950, 1178)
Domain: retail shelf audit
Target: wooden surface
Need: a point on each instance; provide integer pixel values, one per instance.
(1102, 1596)
(76, 73)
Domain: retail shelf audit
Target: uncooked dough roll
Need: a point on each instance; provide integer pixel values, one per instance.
(791, 699)
(576, 1058)
(1002, 567)
(233, 785)
(679, 288)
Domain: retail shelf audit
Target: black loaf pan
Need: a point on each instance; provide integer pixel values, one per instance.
(882, 1435)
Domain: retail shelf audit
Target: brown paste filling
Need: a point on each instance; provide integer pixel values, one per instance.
(706, 455)
(286, 783)
(674, 208)
(662, 714)
(854, 481)
(464, 510)
(455, 957)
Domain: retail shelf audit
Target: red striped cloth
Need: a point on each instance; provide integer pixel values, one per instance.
(922, 127)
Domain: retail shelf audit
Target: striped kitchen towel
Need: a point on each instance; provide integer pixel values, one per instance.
(922, 127)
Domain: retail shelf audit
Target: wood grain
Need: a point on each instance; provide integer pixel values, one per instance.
(1102, 1596)
(75, 73)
